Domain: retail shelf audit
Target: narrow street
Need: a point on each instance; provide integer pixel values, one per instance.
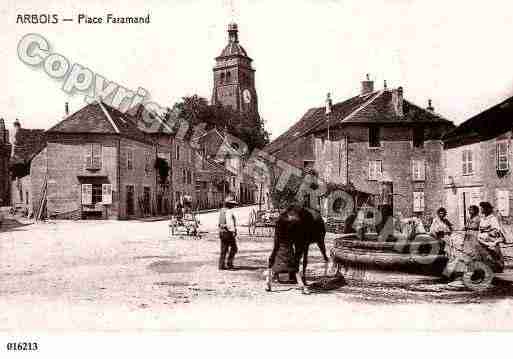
(107, 275)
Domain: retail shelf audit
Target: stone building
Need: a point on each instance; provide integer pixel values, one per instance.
(230, 152)
(478, 163)
(26, 144)
(234, 77)
(212, 182)
(183, 175)
(379, 143)
(5, 155)
(96, 163)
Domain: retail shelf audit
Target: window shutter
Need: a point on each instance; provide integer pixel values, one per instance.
(418, 201)
(418, 170)
(502, 156)
(503, 202)
(89, 156)
(87, 193)
(107, 193)
(96, 150)
(422, 169)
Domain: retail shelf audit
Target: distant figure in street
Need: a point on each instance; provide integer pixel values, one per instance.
(473, 219)
(179, 209)
(227, 233)
(441, 226)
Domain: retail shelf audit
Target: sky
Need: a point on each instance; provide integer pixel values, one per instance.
(458, 53)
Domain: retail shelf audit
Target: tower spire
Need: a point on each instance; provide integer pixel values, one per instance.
(233, 32)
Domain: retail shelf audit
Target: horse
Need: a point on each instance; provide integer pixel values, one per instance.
(296, 228)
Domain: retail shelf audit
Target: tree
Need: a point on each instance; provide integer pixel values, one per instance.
(196, 110)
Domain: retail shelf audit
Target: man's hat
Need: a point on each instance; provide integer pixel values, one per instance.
(230, 200)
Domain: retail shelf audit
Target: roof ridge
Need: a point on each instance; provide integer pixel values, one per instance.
(352, 114)
(432, 112)
(107, 114)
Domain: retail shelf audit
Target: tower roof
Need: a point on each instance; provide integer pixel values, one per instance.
(233, 48)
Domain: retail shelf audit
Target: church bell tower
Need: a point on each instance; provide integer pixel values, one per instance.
(234, 77)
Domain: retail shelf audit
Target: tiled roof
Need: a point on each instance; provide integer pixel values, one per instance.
(315, 118)
(93, 119)
(28, 143)
(209, 168)
(486, 125)
(376, 107)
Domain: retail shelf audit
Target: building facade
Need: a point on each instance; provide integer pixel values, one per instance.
(96, 163)
(212, 182)
(183, 171)
(234, 77)
(230, 152)
(377, 142)
(5, 155)
(26, 143)
(477, 159)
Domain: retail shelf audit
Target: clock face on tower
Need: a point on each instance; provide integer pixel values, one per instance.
(246, 96)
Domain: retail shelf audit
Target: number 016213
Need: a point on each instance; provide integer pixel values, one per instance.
(22, 346)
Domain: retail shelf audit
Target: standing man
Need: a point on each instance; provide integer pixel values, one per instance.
(227, 233)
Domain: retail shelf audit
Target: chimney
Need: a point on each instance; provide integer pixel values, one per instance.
(367, 86)
(66, 109)
(430, 107)
(397, 101)
(16, 127)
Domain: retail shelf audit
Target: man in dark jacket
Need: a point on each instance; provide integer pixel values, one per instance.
(227, 233)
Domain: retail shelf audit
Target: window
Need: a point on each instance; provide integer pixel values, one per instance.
(91, 193)
(418, 137)
(375, 170)
(418, 201)
(222, 77)
(467, 162)
(418, 170)
(184, 176)
(94, 156)
(177, 152)
(26, 198)
(147, 164)
(97, 193)
(228, 76)
(502, 156)
(189, 177)
(130, 159)
(374, 138)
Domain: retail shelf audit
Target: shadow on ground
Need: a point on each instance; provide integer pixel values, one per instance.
(9, 225)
